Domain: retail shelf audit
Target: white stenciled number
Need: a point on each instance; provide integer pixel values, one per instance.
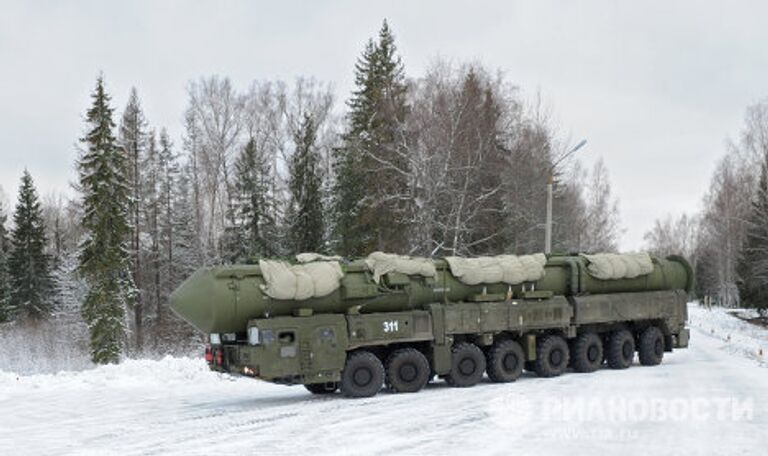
(390, 326)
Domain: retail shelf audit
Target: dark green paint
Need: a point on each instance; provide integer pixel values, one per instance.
(427, 313)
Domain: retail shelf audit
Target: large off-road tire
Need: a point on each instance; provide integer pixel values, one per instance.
(467, 365)
(621, 349)
(407, 370)
(651, 349)
(322, 388)
(552, 356)
(587, 353)
(363, 375)
(505, 361)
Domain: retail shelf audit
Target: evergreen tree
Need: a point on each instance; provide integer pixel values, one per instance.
(252, 230)
(133, 138)
(151, 207)
(104, 255)
(167, 177)
(5, 280)
(29, 265)
(753, 263)
(371, 167)
(186, 247)
(305, 183)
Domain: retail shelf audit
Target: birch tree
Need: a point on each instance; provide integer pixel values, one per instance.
(215, 121)
(602, 224)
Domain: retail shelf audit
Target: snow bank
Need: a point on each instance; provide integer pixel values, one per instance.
(166, 373)
(740, 337)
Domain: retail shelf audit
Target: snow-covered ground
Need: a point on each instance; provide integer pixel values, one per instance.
(709, 399)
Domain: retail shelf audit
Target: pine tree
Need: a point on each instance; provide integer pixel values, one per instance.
(305, 183)
(5, 280)
(753, 263)
(371, 167)
(29, 265)
(252, 229)
(104, 255)
(133, 139)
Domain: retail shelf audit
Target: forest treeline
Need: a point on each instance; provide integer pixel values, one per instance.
(728, 239)
(451, 162)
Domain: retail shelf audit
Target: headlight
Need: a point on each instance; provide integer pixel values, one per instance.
(215, 339)
(253, 335)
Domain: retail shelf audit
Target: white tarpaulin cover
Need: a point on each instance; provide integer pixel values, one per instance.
(381, 263)
(613, 266)
(510, 269)
(300, 281)
(309, 257)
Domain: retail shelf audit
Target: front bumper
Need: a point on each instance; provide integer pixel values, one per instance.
(266, 363)
(230, 359)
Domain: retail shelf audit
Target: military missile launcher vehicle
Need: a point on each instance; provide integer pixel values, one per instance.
(331, 324)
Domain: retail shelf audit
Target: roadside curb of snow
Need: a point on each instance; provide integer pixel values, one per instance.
(130, 373)
(740, 337)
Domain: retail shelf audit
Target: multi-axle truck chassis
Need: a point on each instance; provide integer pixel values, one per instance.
(404, 330)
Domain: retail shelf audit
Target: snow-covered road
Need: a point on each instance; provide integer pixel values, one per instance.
(709, 399)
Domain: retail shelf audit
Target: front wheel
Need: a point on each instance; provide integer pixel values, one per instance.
(363, 375)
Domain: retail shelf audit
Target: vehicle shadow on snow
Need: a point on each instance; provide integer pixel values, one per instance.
(297, 394)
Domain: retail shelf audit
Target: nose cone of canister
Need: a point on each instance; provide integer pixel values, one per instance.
(195, 300)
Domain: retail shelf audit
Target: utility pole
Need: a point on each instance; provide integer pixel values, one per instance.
(550, 182)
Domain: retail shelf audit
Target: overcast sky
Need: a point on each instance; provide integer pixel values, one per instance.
(655, 87)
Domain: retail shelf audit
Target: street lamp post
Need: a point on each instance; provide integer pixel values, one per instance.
(550, 181)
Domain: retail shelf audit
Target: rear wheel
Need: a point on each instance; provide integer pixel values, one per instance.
(363, 375)
(551, 356)
(505, 361)
(621, 349)
(587, 353)
(467, 365)
(322, 388)
(651, 349)
(407, 370)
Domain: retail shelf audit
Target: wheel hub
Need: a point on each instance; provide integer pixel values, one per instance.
(626, 350)
(467, 366)
(510, 362)
(556, 357)
(408, 372)
(592, 353)
(362, 376)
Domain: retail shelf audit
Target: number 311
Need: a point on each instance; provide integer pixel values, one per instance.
(390, 326)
